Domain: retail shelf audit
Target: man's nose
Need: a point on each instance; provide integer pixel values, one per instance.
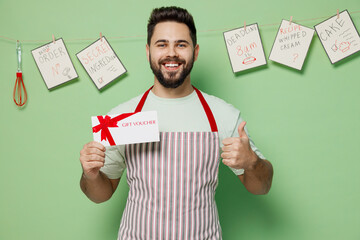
(172, 51)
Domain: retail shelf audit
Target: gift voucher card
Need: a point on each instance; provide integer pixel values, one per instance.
(101, 63)
(54, 63)
(291, 44)
(338, 36)
(126, 128)
(245, 48)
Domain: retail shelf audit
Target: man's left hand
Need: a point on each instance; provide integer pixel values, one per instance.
(237, 152)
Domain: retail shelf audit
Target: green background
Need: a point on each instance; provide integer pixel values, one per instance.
(305, 122)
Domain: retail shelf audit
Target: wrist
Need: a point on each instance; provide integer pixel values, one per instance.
(254, 161)
(91, 177)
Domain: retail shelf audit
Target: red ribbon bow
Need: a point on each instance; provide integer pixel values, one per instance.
(107, 122)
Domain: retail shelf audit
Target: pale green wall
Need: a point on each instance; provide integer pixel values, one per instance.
(306, 123)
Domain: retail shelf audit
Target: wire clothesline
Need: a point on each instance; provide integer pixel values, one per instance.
(142, 36)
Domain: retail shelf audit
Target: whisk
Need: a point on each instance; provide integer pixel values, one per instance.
(19, 95)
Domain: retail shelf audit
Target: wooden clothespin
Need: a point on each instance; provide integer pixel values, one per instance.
(53, 38)
(337, 13)
(290, 20)
(101, 36)
(245, 25)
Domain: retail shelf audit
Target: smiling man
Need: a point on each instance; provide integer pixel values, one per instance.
(172, 183)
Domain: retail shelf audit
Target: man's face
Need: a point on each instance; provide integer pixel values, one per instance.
(171, 53)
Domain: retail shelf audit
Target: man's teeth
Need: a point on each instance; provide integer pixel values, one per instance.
(171, 65)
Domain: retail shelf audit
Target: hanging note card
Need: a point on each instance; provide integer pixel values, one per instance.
(338, 36)
(101, 63)
(291, 44)
(54, 63)
(245, 48)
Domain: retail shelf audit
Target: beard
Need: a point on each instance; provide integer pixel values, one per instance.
(170, 80)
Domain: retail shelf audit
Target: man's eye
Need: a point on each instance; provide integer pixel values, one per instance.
(181, 45)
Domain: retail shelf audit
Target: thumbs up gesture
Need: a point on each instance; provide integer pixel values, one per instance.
(237, 152)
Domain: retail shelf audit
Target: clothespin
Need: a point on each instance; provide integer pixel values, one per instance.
(337, 13)
(245, 25)
(53, 38)
(101, 36)
(290, 20)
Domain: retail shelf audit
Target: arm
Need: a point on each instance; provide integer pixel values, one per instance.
(257, 180)
(238, 154)
(95, 184)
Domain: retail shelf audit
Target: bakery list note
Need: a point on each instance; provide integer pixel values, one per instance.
(101, 63)
(339, 36)
(245, 48)
(54, 63)
(291, 44)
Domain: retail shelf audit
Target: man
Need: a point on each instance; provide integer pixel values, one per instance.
(172, 183)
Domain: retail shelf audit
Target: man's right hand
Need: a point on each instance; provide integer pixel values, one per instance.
(92, 158)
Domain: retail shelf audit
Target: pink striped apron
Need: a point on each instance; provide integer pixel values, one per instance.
(172, 185)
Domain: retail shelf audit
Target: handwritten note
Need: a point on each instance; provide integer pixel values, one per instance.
(291, 44)
(245, 48)
(126, 128)
(54, 63)
(101, 63)
(338, 36)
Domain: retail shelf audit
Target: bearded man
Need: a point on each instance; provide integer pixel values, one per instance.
(172, 183)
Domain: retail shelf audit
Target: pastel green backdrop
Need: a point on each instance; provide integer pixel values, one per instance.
(305, 122)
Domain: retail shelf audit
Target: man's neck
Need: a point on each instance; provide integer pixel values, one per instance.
(182, 91)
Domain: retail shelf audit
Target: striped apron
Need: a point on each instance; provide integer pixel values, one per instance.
(172, 185)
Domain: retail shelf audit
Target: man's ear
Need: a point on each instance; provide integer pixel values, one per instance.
(196, 52)
(148, 52)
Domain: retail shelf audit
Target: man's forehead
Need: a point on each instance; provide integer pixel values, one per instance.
(171, 31)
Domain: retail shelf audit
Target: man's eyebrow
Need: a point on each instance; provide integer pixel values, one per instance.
(166, 41)
(182, 41)
(161, 40)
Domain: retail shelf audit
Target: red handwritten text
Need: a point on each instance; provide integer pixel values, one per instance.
(95, 52)
(138, 123)
(290, 28)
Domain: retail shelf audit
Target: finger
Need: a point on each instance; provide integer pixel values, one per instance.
(91, 158)
(227, 148)
(228, 155)
(241, 130)
(95, 151)
(93, 165)
(96, 164)
(229, 141)
(228, 162)
(95, 144)
(92, 151)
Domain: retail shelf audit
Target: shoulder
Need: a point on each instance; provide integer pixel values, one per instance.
(219, 106)
(225, 114)
(126, 107)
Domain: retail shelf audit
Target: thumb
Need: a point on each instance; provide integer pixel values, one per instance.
(241, 130)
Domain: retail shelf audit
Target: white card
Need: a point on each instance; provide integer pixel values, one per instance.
(245, 48)
(291, 44)
(126, 128)
(101, 63)
(54, 63)
(338, 36)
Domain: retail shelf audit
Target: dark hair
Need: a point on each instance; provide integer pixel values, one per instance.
(175, 14)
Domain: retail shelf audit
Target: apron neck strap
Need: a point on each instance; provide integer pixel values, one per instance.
(206, 107)
(142, 100)
(208, 111)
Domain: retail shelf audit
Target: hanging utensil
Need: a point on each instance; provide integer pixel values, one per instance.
(19, 95)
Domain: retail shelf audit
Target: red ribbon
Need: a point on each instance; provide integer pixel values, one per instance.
(107, 122)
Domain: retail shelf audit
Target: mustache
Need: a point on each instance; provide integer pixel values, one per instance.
(172, 59)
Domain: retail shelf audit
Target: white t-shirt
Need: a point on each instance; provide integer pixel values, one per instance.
(184, 114)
